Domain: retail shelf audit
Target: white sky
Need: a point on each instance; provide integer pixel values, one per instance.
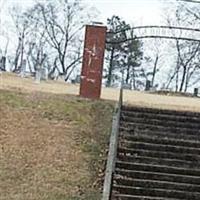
(139, 12)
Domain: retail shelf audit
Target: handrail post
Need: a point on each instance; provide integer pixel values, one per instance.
(111, 161)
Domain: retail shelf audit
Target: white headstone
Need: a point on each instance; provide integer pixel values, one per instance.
(23, 69)
(38, 76)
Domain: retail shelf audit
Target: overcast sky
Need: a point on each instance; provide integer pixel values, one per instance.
(137, 11)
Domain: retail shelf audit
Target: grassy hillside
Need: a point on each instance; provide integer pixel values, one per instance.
(52, 147)
(161, 100)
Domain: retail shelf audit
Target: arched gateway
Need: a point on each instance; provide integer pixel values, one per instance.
(94, 48)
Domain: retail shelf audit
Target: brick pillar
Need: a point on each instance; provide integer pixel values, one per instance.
(93, 59)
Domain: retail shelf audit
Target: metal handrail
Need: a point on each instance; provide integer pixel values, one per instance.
(112, 154)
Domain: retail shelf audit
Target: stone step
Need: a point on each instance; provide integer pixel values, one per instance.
(158, 176)
(160, 140)
(158, 168)
(161, 111)
(156, 192)
(158, 161)
(147, 183)
(159, 154)
(135, 197)
(161, 122)
(159, 134)
(175, 118)
(158, 147)
(165, 129)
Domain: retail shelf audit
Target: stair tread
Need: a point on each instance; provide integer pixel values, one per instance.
(194, 119)
(158, 192)
(161, 168)
(163, 154)
(164, 183)
(159, 134)
(178, 124)
(155, 160)
(136, 197)
(159, 140)
(143, 172)
(160, 111)
(167, 128)
(159, 147)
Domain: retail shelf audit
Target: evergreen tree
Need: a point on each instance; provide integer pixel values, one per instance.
(122, 57)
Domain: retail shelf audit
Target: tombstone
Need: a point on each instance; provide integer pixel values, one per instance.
(1, 67)
(78, 79)
(38, 75)
(73, 81)
(23, 69)
(163, 87)
(44, 74)
(3, 63)
(127, 86)
(196, 91)
(148, 85)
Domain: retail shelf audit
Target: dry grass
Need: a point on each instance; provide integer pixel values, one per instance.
(10, 81)
(51, 146)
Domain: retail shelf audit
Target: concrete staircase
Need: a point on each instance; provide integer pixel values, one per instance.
(158, 155)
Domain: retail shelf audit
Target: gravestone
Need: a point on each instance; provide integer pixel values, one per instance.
(3, 63)
(148, 85)
(23, 68)
(196, 91)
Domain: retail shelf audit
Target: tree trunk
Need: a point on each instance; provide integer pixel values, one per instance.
(177, 75)
(154, 71)
(187, 79)
(128, 74)
(133, 79)
(17, 55)
(183, 79)
(22, 51)
(110, 70)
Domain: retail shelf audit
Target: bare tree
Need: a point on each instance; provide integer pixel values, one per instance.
(63, 22)
(153, 61)
(22, 29)
(50, 36)
(4, 34)
(2, 3)
(186, 52)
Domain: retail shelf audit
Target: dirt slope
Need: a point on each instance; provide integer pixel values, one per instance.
(52, 146)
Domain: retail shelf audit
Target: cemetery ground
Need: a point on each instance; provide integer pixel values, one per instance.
(52, 146)
(53, 143)
(159, 100)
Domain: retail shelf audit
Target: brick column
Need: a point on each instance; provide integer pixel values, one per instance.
(93, 59)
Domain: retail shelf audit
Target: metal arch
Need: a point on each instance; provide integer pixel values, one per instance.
(153, 37)
(189, 1)
(157, 27)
